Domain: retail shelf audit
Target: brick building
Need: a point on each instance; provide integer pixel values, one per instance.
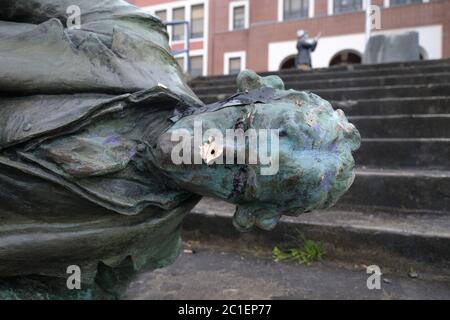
(230, 35)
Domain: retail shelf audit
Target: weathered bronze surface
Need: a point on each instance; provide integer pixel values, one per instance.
(86, 119)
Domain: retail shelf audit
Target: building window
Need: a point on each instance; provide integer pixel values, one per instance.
(295, 9)
(197, 66)
(239, 18)
(234, 62)
(178, 14)
(239, 15)
(235, 66)
(394, 3)
(197, 21)
(162, 15)
(341, 6)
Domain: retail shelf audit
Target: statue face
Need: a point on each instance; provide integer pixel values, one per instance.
(310, 169)
(290, 155)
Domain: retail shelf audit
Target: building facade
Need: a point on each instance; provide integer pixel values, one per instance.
(230, 35)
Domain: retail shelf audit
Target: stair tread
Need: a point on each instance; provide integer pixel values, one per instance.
(402, 172)
(300, 79)
(333, 74)
(435, 225)
(350, 102)
(406, 140)
(368, 88)
(383, 99)
(401, 116)
(388, 87)
(406, 128)
(351, 68)
(430, 224)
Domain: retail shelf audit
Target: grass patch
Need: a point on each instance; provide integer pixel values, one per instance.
(306, 252)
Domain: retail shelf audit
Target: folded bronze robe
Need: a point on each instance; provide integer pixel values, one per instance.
(78, 108)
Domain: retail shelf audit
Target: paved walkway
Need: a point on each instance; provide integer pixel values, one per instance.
(214, 274)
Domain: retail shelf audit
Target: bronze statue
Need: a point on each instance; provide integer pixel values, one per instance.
(87, 178)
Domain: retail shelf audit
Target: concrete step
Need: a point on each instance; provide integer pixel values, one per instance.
(369, 237)
(330, 74)
(425, 153)
(403, 126)
(359, 93)
(399, 190)
(369, 67)
(392, 106)
(349, 68)
(397, 211)
(311, 85)
(356, 93)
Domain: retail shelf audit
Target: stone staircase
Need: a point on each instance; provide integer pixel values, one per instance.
(399, 205)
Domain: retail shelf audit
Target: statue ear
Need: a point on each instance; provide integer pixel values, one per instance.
(248, 80)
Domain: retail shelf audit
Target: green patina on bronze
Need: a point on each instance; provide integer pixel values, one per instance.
(315, 156)
(86, 177)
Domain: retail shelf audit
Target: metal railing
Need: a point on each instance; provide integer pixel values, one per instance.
(187, 41)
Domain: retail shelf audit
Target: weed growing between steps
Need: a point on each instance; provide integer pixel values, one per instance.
(306, 252)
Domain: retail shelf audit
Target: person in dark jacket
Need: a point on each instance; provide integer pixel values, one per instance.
(304, 47)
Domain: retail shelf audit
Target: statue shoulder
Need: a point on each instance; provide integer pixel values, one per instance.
(32, 119)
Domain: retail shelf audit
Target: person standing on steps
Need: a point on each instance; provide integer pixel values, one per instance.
(305, 46)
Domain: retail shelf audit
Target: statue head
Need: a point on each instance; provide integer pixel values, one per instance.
(302, 34)
(270, 151)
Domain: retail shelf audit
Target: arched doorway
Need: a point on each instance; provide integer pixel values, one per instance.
(288, 63)
(346, 57)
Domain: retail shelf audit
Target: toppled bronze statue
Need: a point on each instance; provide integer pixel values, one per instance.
(87, 177)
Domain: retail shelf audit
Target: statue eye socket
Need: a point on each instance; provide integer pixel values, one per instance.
(283, 133)
(240, 124)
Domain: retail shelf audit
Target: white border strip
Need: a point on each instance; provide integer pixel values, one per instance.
(232, 55)
(231, 7)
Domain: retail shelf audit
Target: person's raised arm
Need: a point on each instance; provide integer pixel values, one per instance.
(316, 41)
